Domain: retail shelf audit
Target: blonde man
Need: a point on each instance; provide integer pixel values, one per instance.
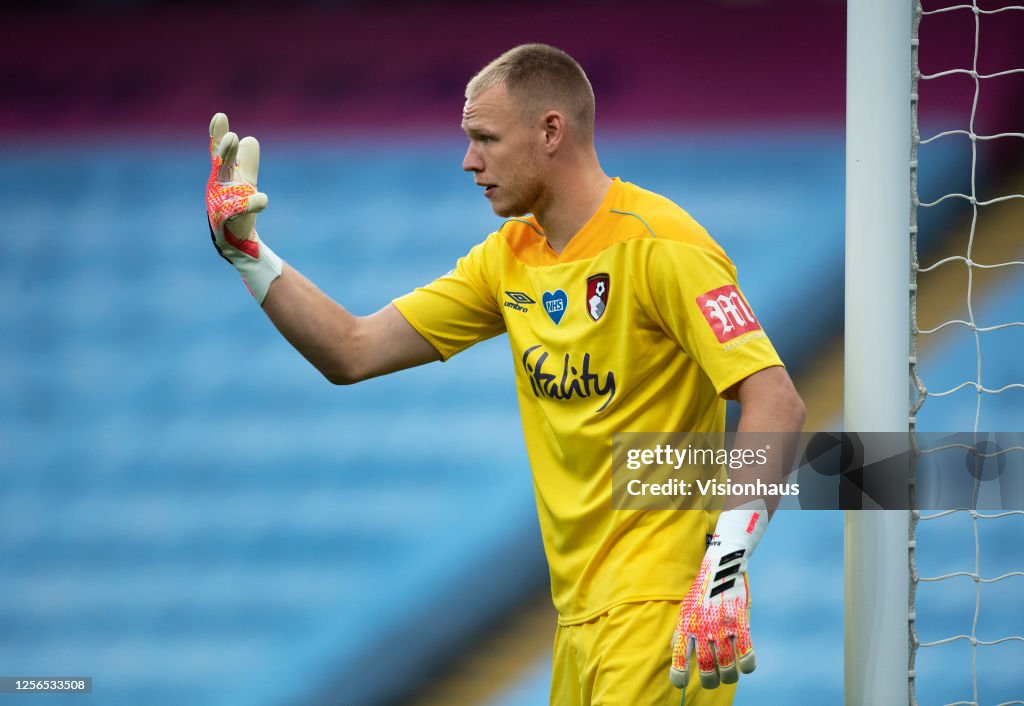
(623, 315)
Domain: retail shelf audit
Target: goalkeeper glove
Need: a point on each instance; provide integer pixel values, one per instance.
(232, 203)
(715, 614)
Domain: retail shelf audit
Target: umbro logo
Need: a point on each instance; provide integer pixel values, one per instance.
(519, 302)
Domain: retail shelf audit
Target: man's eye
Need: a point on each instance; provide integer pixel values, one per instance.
(486, 139)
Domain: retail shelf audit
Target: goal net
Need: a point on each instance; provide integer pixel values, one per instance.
(967, 279)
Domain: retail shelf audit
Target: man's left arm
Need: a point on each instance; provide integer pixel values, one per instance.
(714, 619)
(771, 412)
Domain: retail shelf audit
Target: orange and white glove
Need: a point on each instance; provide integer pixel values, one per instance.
(714, 618)
(232, 203)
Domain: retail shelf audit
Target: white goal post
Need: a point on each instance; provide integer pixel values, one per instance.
(877, 337)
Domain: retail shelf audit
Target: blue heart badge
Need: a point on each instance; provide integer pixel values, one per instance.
(555, 303)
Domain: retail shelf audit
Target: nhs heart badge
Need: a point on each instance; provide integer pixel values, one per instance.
(555, 303)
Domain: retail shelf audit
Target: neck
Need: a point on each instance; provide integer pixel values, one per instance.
(573, 200)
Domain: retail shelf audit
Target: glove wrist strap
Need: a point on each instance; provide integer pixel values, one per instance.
(257, 272)
(741, 528)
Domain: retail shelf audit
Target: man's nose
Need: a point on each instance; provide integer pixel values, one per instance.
(472, 162)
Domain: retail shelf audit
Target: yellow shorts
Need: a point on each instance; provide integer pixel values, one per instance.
(622, 658)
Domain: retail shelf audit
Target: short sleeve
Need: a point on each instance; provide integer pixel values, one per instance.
(459, 309)
(692, 293)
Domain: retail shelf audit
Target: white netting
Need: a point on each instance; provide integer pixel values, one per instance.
(1008, 269)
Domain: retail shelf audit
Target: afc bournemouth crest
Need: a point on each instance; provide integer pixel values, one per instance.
(597, 295)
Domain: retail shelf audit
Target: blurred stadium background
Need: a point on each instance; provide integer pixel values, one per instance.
(190, 515)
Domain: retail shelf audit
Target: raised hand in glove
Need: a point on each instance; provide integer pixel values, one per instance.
(232, 203)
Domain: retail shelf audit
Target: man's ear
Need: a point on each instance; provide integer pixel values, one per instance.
(554, 130)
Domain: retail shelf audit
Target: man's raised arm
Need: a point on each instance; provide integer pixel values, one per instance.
(345, 348)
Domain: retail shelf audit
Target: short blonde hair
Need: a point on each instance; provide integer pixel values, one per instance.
(541, 77)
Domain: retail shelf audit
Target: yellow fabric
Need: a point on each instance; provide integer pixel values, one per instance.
(650, 361)
(621, 658)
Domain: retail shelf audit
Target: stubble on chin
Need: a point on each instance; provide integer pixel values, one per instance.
(510, 209)
(510, 212)
(519, 204)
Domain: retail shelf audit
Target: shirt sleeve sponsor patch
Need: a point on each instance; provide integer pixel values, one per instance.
(727, 313)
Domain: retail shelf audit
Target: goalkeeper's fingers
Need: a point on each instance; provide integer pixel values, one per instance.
(218, 128)
(723, 669)
(223, 147)
(724, 659)
(746, 660)
(707, 664)
(248, 170)
(227, 151)
(241, 161)
(237, 160)
(717, 661)
(682, 647)
(249, 159)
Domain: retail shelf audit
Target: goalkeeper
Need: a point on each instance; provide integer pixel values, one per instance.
(623, 315)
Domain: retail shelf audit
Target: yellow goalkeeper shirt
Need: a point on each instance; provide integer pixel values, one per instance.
(638, 325)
